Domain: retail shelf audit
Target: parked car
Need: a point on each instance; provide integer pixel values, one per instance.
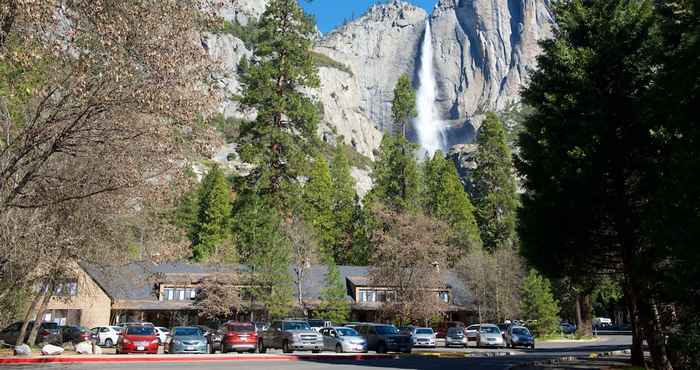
(290, 335)
(455, 337)
(519, 336)
(342, 339)
(48, 333)
(239, 337)
(423, 337)
(503, 328)
(163, 334)
(406, 330)
(442, 328)
(214, 337)
(261, 326)
(567, 328)
(188, 339)
(490, 336)
(318, 324)
(75, 334)
(138, 339)
(472, 332)
(106, 336)
(384, 338)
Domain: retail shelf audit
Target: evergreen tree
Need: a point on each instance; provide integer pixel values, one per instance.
(317, 205)
(403, 107)
(211, 232)
(538, 303)
(344, 205)
(445, 199)
(265, 249)
(396, 178)
(273, 84)
(494, 187)
(334, 305)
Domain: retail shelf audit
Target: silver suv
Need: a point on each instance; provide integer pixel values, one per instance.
(290, 336)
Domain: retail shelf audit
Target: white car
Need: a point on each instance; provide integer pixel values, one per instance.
(162, 334)
(423, 337)
(472, 333)
(106, 336)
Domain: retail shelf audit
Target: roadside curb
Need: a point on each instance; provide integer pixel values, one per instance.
(162, 359)
(465, 355)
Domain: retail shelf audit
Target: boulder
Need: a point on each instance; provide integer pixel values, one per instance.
(51, 350)
(96, 350)
(23, 350)
(84, 348)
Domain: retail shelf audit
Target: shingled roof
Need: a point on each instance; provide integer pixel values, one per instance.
(136, 284)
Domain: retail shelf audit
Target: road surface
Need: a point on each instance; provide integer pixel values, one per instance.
(416, 362)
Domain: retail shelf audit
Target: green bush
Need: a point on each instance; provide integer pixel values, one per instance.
(539, 306)
(323, 60)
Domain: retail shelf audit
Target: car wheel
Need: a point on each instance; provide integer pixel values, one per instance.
(316, 351)
(251, 351)
(407, 351)
(338, 348)
(261, 347)
(285, 347)
(381, 348)
(108, 343)
(532, 346)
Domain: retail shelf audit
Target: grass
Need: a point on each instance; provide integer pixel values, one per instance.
(323, 60)
(248, 33)
(564, 337)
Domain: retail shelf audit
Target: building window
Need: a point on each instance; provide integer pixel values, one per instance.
(445, 296)
(67, 288)
(179, 294)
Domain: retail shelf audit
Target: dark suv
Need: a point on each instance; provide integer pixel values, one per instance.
(384, 338)
(48, 333)
(290, 335)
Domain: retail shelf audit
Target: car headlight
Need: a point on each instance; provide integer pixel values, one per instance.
(177, 342)
(515, 337)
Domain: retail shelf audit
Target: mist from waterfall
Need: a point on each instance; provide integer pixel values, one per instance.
(429, 128)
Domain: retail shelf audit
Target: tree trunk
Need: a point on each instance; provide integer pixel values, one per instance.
(655, 335)
(584, 312)
(40, 315)
(637, 358)
(31, 315)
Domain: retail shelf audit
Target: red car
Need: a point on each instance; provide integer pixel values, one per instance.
(138, 339)
(239, 337)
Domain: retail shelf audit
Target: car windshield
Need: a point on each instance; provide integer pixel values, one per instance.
(454, 331)
(490, 330)
(297, 325)
(386, 330)
(521, 331)
(347, 332)
(140, 330)
(49, 325)
(316, 323)
(188, 332)
(424, 331)
(241, 328)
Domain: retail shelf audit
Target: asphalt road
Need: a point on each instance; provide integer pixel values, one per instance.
(543, 352)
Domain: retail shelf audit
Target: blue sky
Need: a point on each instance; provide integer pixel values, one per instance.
(331, 13)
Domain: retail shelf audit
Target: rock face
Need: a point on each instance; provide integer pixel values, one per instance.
(484, 50)
(377, 47)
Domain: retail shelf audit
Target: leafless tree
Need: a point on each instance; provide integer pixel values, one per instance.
(219, 297)
(410, 249)
(305, 252)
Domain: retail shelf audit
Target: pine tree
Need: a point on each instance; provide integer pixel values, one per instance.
(334, 305)
(445, 199)
(211, 232)
(344, 205)
(403, 107)
(317, 205)
(273, 84)
(494, 187)
(538, 303)
(265, 249)
(396, 178)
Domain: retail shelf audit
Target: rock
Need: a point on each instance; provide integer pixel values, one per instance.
(484, 50)
(68, 346)
(84, 348)
(51, 350)
(363, 181)
(22, 350)
(96, 350)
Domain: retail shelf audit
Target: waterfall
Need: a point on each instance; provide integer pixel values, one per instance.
(429, 128)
